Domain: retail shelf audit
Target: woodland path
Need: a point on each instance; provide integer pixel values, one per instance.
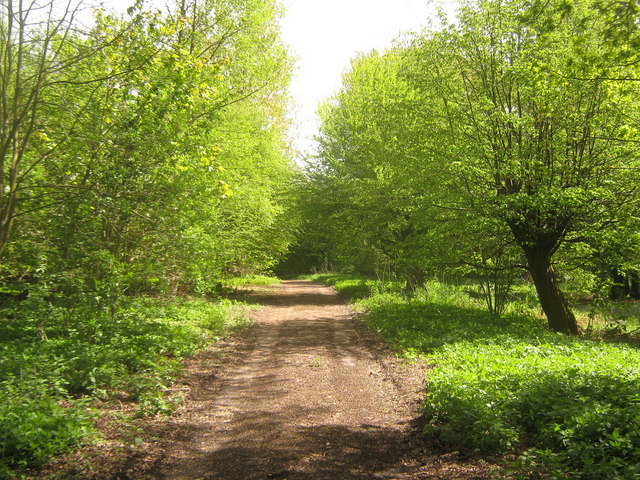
(306, 393)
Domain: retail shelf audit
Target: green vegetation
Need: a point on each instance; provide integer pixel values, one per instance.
(567, 406)
(351, 287)
(145, 166)
(499, 146)
(171, 166)
(354, 287)
(51, 387)
(261, 280)
(143, 162)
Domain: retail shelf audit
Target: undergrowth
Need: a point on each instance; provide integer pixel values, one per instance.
(261, 280)
(55, 370)
(567, 407)
(353, 287)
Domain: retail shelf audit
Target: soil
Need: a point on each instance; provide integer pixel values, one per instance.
(308, 392)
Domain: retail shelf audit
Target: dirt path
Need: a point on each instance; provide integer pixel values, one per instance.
(307, 393)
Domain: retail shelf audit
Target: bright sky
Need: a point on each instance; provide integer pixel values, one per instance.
(323, 35)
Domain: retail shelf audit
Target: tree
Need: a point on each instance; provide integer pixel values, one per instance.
(508, 139)
(156, 137)
(40, 44)
(540, 105)
(368, 162)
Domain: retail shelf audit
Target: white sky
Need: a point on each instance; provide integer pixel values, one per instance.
(323, 35)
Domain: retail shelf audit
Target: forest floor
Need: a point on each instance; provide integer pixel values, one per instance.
(307, 393)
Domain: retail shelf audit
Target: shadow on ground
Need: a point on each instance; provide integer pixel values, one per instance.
(318, 452)
(305, 293)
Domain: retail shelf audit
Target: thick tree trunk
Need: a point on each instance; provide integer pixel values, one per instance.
(559, 316)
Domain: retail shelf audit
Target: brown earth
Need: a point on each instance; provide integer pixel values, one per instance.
(306, 393)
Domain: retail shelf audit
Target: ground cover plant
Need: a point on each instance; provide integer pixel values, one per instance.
(255, 280)
(53, 378)
(568, 407)
(355, 287)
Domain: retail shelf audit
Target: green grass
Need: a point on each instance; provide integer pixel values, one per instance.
(353, 287)
(566, 407)
(50, 385)
(260, 280)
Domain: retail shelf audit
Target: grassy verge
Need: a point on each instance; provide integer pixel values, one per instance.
(566, 407)
(260, 280)
(55, 371)
(353, 287)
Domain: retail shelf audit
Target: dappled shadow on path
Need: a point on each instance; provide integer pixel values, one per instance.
(312, 452)
(299, 293)
(306, 394)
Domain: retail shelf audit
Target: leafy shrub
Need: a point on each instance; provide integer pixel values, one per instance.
(37, 421)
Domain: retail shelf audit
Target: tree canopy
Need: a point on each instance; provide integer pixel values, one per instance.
(508, 138)
(151, 145)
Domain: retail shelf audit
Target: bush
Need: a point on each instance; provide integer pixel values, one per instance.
(38, 421)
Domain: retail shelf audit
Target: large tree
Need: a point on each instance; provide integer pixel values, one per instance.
(369, 168)
(541, 99)
(506, 138)
(153, 143)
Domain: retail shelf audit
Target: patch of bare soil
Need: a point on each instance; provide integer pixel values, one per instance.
(307, 393)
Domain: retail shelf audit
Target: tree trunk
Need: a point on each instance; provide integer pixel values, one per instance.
(416, 278)
(619, 287)
(559, 316)
(634, 291)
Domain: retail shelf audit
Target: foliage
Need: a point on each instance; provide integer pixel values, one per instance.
(38, 421)
(567, 406)
(174, 165)
(262, 280)
(361, 187)
(47, 385)
(354, 287)
(504, 141)
(141, 157)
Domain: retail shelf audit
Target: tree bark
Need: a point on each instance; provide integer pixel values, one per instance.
(416, 278)
(634, 291)
(559, 316)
